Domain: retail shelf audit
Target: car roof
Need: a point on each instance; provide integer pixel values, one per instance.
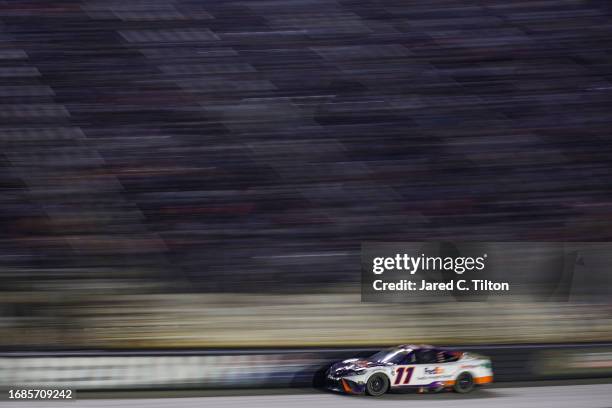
(415, 346)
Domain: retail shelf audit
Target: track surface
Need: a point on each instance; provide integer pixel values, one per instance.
(575, 396)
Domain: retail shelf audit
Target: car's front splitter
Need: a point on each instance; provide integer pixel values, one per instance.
(344, 385)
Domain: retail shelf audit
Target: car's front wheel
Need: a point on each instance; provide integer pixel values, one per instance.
(377, 385)
(464, 383)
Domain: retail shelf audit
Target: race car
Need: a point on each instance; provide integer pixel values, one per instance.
(424, 367)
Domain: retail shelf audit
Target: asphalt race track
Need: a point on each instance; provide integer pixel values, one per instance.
(575, 396)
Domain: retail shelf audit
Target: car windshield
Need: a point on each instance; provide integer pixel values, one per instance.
(389, 355)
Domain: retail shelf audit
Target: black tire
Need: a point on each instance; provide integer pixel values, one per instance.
(464, 383)
(377, 385)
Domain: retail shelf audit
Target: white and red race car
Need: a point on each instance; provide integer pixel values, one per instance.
(426, 368)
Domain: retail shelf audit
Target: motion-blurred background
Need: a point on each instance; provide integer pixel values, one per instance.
(181, 173)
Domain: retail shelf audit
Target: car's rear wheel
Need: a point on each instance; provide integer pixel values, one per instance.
(464, 383)
(377, 385)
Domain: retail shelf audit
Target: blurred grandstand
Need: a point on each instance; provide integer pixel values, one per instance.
(182, 173)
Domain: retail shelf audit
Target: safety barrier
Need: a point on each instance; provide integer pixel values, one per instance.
(99, 370)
